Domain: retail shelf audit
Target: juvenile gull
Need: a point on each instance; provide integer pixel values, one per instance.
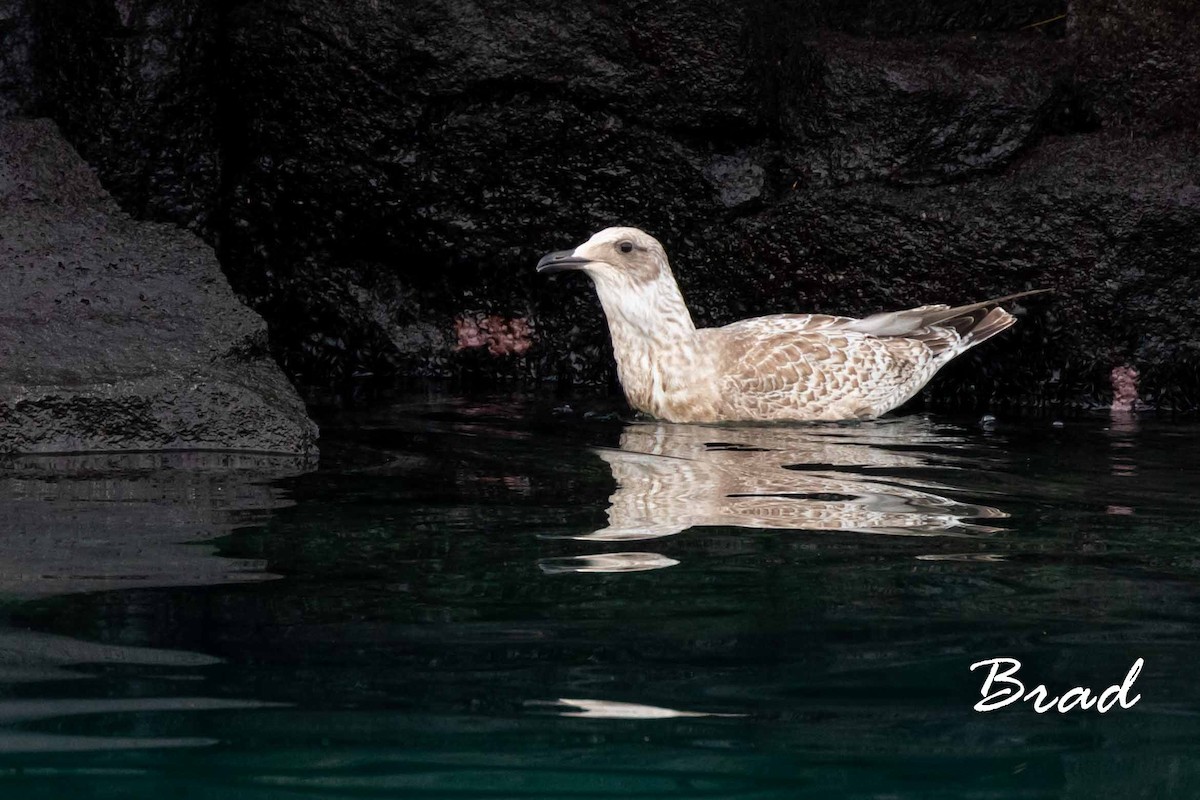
(779, 367)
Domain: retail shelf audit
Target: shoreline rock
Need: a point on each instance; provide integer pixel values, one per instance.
(117, 334)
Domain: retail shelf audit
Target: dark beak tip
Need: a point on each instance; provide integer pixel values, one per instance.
(560, 261)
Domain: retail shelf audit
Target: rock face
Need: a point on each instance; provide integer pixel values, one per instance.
(117, 334)
(379, 179)
(16, 68)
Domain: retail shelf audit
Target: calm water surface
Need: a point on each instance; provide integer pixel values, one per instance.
(507, 600)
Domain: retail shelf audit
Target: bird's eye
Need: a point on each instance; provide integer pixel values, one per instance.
(626, 247)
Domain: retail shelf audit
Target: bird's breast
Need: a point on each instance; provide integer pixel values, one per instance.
(674, 381)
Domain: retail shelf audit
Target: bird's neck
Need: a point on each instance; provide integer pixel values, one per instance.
(659, 359)
(647, 315)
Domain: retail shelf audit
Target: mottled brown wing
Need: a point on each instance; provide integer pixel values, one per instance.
(824, 372)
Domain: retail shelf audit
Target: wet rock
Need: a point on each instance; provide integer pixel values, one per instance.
(423, 153)
(1106, 232)
(883, 18)
(1141, 61)
(374, 175)
(926, 111)
(117, 334)
(737, 179)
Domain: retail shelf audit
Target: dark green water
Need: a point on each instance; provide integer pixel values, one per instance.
(504, 601)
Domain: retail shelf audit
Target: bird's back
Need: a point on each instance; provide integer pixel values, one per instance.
(823, 367)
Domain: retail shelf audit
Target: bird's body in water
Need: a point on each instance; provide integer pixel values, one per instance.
(779, 367)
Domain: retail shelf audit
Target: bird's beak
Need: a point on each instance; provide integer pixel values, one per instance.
(562, 260)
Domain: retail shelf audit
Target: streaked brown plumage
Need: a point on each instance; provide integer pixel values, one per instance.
(779, 367)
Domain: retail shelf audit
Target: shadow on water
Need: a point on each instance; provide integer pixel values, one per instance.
(503, 601)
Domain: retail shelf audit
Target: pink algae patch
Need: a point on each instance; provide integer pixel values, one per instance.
(1125, 388)
(500, 335)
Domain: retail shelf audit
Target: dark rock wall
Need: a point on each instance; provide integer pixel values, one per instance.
(16, 69)
(1141, 61)
(379, 178)
(135, 86)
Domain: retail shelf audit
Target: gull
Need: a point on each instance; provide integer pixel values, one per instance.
(773, 368)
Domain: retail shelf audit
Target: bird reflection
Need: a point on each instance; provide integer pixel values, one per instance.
(611, 709)
(820, 478)
(606, 562)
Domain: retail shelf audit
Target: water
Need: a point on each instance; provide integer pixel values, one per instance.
(506, 600)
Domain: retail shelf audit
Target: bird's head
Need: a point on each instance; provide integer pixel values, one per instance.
(615, 256)
(633, 280)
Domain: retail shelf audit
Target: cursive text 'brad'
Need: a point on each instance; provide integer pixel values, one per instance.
(1001, 688)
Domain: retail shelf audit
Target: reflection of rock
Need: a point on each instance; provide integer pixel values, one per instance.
(674, 477)
(74, 523)
(108, 521)
(29, 656)
(26, 656)
(23, 712)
